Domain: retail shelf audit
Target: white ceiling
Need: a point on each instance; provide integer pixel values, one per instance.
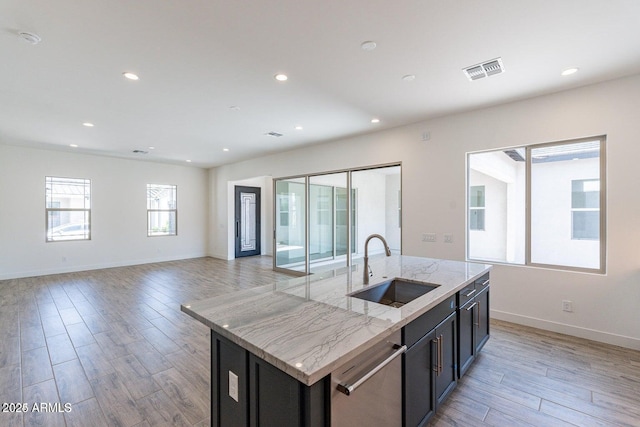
(197, 58)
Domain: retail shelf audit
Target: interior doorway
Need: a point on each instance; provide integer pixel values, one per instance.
(247, 221)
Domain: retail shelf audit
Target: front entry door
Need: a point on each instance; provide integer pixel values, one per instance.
(247, 226)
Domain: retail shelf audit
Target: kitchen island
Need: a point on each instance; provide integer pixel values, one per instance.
(276, 348)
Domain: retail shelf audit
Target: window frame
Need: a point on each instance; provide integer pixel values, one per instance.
(150, 211)
(527, 244)
(50, 180)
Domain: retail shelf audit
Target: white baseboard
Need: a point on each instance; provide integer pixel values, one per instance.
(88, 267)
(576, 331)
(223, 257)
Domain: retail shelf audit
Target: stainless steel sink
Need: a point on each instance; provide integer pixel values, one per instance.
(395, 292)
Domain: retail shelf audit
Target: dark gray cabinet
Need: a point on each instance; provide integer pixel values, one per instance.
(442, 343)
(430, 363)
(266, 396)
(473, 321)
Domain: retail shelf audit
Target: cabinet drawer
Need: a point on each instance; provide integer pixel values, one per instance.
(467, 294)
(482, 283)
(429, 320)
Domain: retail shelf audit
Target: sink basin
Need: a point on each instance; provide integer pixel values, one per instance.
(395, 292)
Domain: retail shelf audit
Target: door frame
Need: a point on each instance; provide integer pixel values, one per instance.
(237, 220)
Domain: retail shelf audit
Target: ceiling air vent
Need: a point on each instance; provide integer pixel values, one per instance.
(140, 152)
(274, 134)
(485, 69)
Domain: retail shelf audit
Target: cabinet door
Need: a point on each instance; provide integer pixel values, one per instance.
(466, 336)
(446, 373)
(418, 370)
(482, 318)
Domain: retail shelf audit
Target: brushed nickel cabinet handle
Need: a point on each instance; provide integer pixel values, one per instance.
(471, 292)
(440, 355)
(471, 306)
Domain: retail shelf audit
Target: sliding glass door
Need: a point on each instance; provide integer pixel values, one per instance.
(321, 221)
(290, 223)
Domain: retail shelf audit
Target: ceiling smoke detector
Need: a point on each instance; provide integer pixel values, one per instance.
(30, 38)
(484, 69)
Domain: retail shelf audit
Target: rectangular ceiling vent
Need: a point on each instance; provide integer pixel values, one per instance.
(274, 134)
(485, 69)
(140, 152)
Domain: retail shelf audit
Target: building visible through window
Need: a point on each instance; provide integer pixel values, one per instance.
(476, 207)
(585, 209)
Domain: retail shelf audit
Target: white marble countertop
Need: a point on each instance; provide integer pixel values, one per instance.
(309, 326)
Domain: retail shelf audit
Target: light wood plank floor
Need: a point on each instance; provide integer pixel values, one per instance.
(114, 344)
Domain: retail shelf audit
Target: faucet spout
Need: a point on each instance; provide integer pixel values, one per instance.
(366, 274)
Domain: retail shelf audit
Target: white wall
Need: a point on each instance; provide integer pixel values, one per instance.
(118, 215)
(434, 191)
(392, 220)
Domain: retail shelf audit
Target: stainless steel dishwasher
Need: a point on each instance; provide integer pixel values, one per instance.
(367, 390)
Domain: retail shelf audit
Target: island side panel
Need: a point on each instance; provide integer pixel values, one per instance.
(266, 395)
(226, 358)
(277, 399)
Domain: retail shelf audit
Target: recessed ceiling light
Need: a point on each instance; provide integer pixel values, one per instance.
(131, 76)
(225, 149)
(188, 161)
(30, 38)
(569, 71)
(87, 124)
(299, 128)
(152, 148)
(281, 77)
(375, 120)
(409, 77)
(73, 145)
(368, 45)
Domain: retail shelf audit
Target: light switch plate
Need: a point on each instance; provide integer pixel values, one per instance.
(233, 386)
(429, 237)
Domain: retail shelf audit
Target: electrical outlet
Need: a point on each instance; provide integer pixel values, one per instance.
(233, 386)
(567, 305)
(448, 238)
(429, 237)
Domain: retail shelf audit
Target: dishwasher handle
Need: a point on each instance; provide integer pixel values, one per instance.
(350, 388)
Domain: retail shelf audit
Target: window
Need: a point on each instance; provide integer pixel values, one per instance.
(476, 207)
(585, 209)
(67, 209)
(543, 205)
(162, 210)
